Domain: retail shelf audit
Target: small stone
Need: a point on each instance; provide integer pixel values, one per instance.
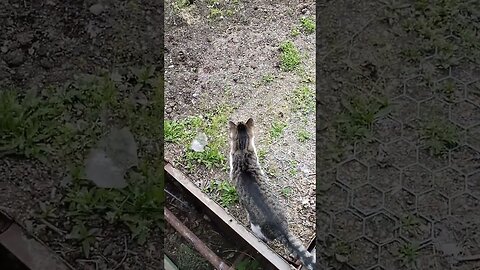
(97, 9)
(15, 58)
(45, 63)
(24, 38)
(4, 49)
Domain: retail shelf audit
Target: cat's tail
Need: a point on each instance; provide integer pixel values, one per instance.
(297, 248)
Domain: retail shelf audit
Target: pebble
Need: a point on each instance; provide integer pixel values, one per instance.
(97, 9)
(24, 38)
(15, 58)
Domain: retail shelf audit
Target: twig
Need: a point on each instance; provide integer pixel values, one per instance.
(124, 256)
(53, 227)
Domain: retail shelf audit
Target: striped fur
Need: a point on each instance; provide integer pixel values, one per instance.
(264, 211)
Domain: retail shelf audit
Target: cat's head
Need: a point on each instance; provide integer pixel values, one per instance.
(241, 135)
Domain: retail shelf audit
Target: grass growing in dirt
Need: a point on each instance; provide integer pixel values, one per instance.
(355, 122)
(439, 136)
(286, 192)
(59, 125)
(183, 131)
(303, 136)
(276, 130)
(308, 25)
(223, 192)
(290, 56)
(408, 254)
(248, 264)
(268, 78)
(303, 99)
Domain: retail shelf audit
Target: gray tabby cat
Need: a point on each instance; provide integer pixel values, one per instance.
(266, 217)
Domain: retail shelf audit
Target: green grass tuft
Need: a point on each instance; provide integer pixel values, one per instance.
(439, 136)
(308, 25)
(277, 129)
(303, 100)
(290, 56)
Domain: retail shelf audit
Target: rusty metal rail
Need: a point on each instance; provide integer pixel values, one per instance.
(195, 241)
(227, 225)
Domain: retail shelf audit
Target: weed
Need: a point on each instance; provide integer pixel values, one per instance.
(290, 57)
(342, 248)
(355, 122)
(410, 224)
(183, 131)
(439, 136)
(308, 25)
(210, 157)
(85, 236)
(62, 123)
(408, 253)
(248, 264)
(262, 154)
(447, 88)
(295, 32)
(224, 192)
(229, 12)
(305, 77)
(268, 78)
(277, 129)
(303, 136)
(293, 168)
(215, 13)
(28, 124)
(303, 100)
(286, 191)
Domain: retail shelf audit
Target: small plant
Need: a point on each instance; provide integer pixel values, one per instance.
(277, 129)
(248, 264)
(447, 88)
(355, 122)
(295, 32)
(262, 154)
(293, 168)
(308, 25)
(210, 157)
(179, 4)
(303, 136)
(215, 13)
(228, 194)
(225, 192)
(410, 224)
(439, 136)
(85, 236)
(290, 56)
(268, 78)
(408, 253)
(303, 99)
(173, 131)
(286, 192)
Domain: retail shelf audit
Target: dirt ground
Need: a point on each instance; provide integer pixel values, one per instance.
(46, 44)
(398, 113)
(233, 60)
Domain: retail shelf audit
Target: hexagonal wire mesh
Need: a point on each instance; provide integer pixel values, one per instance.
(398, 187)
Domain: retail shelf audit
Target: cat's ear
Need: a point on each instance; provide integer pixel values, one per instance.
(232, 128)
(231, 125)
(249, 122)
